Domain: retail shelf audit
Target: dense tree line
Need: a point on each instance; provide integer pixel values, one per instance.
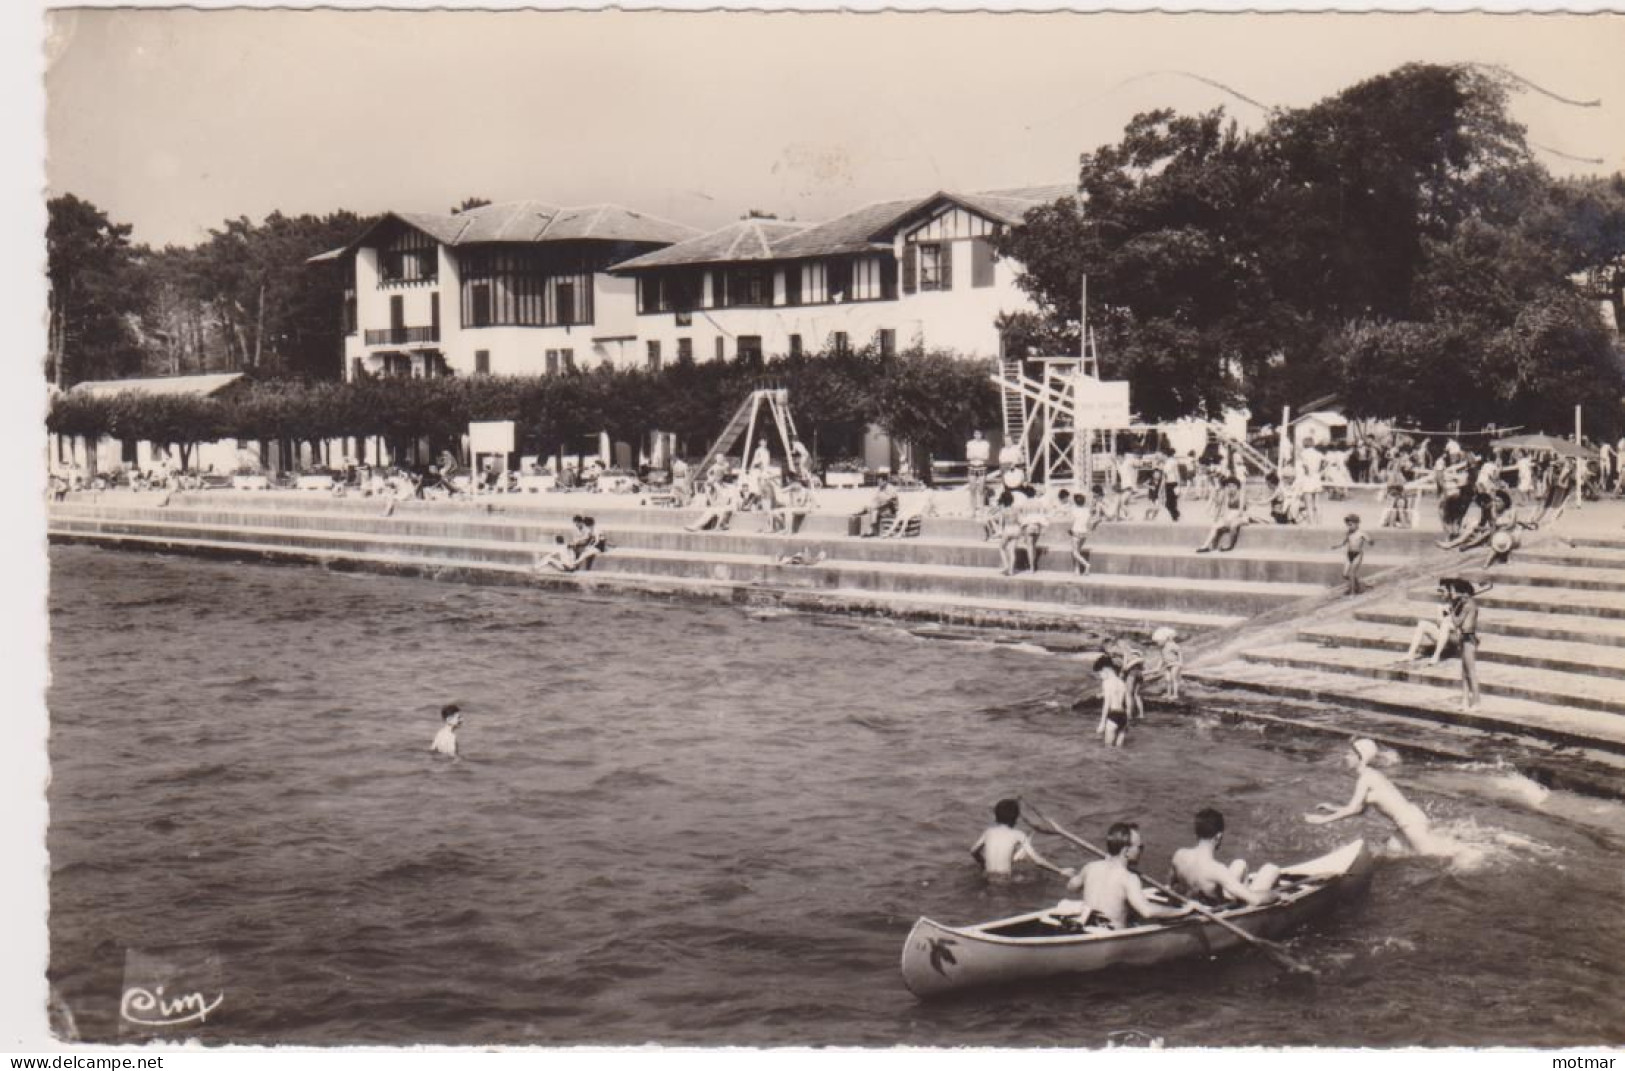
(931, 399)
(244, 300)
(1395, 244)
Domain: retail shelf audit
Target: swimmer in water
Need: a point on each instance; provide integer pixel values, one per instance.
(1003, 845)
(1374, 789)
(445, 741)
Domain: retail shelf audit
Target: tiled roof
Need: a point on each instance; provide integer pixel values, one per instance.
(854, 232)
(532, 221)
(748, 239)
(202, 386)
(865, 230)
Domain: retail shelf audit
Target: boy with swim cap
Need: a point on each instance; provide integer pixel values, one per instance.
(1002, 845)
(445, 741)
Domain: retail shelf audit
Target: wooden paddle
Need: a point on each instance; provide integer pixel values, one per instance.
(1271, 948)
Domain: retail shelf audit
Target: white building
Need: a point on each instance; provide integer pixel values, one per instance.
(895, 274)
(509, 289)
(526, 288)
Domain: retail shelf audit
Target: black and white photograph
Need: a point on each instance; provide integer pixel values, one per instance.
(820, 529)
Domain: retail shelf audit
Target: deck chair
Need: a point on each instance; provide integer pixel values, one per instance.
(906, 524)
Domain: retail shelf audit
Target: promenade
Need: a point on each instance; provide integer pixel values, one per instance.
(1268, 617)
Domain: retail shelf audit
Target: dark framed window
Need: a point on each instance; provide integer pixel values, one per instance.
(795, 345)
(886, 339)
(410, 256)
(936, 266)
(750, 348)
(792, 284)
(839, 343)
(434, 313)
(526, 288)
(349, 312)
(482, 362)
(567, 357)
(654, 355)
(552, 362)
(397, 312)
(749, 286)
(685, 350)
(722, 352)
(839, 276)
(669, 291)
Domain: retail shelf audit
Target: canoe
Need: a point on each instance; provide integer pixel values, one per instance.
(940, 959)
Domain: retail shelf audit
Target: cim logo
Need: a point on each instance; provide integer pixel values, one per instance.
(163, 992)
(152, 1008)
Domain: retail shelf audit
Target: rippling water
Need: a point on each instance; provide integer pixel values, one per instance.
(701, 825)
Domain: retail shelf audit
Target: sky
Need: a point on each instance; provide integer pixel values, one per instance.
(176, 120)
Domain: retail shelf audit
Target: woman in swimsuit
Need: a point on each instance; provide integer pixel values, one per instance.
(1464, 622)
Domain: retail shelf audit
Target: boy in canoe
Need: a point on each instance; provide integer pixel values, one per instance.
(1198, 872)
(1111, 889)
(1002, 845)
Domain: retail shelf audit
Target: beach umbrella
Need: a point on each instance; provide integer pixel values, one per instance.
(1550, 444)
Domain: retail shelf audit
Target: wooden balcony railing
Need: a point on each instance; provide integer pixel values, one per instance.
(400, 336)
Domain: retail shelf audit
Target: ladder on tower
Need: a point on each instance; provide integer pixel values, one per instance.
(1015, 411)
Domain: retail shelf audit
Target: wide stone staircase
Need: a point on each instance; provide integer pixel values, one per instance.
(1551, 660)
(1144, 574)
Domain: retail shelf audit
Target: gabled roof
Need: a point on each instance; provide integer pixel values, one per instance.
(530, 222)
(748, 239)
(201, 386)
(865, 230)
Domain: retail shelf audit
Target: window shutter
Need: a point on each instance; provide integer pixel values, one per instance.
(911, 257)
(945, 265)
(981, 262)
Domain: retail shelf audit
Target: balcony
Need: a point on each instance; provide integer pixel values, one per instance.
(402, 336)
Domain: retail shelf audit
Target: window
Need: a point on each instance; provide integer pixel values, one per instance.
(814, 288)
(795, 345)
(936, 266)
(868, 280)
(744, 287)
(722, 354)
(434, 314)
(482, 362)
(886, 339)
(526, 288)
(567, 357)
(654, 355)
(750, 348)
(409, 257)
(838, 275)
(792, 285)
(397, 314)
(552, 362)
(981, 262)
(349, 312)
(838, 342)
(685, 351)
(675, 291)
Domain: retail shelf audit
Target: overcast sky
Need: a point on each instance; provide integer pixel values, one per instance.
(174, 120)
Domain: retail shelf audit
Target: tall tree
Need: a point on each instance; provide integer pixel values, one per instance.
(95, 292)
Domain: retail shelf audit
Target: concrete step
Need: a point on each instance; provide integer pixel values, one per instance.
(620, 511)
(953, 608)
(1568, 628)
(1557, 722)
(747, 536)
(1549, 600)
(1556, 552)
(1228, 598)
(1564, 657)
(1575, 577)
(1515, 682)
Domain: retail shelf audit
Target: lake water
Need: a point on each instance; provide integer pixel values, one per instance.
(703, 825)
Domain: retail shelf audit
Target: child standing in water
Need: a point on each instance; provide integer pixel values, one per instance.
(1002, 845)
(1113, 703)
(1356, 541)
(1173, 659)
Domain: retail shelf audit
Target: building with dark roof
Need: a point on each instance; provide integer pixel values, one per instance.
(895, 274)
(528, 287)
(515, 288)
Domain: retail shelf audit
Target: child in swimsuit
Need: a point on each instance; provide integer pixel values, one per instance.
(1113, 703)
(1356, 541)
